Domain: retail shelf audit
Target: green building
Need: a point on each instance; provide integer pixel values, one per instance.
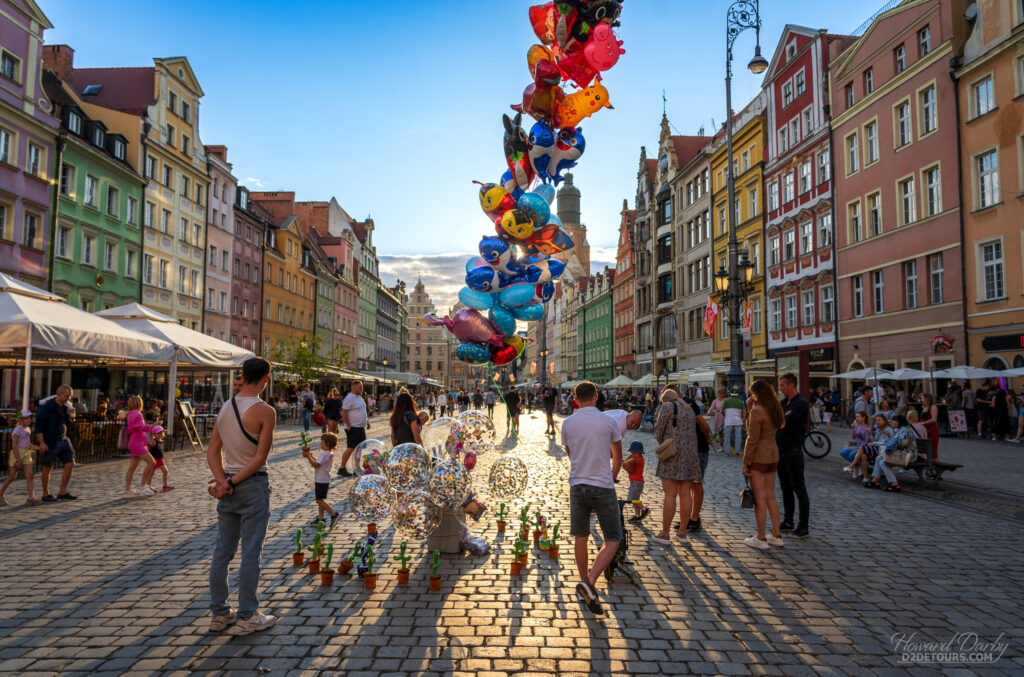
(595, 328)
(96, 253)
(368, 284)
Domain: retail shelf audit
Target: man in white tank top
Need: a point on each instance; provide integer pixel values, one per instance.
(237, 456)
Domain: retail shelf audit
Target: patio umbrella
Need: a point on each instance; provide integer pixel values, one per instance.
(968, 373)
(645, 381)
(620, 381)
(869, 374)
(908, 374)
(1019, 371)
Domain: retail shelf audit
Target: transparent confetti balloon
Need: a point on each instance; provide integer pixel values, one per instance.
(448, 485)
(371, 498)
(407, 467)
(371, 455)
(435, 436)
(477, 432)
(508, 478)
(415, 517)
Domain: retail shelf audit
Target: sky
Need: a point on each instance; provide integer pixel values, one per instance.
(395, 108)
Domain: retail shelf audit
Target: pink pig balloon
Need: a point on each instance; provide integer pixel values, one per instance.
(602, 51)
(469, 326)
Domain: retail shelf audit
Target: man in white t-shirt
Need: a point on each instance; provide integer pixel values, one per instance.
(587, 435)
(699, 398)
(353, 415)
(625, 420)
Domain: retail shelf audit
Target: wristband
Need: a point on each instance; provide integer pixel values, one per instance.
(230, 483)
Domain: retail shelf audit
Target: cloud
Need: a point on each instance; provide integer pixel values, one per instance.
(443, 275)
(254, 183)
(601, 257)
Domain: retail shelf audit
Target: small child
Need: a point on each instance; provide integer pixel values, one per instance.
(156, 450)
(21, 458)
(634, 465)
(322, 475)
(423, 417)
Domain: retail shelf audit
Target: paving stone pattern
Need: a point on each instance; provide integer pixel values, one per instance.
(105, 585)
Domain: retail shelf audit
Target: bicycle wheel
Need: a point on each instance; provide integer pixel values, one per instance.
(817, 444)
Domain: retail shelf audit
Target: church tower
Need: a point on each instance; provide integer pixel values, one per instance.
(577, 259)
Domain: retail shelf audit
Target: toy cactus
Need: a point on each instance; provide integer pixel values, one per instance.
(524, 521)
(326, 574)
(518, 555)
(538, 522)
(501, 519)
(346, 564)
(297, 557)
(435, 578)
(370, 577)
(403, 572)
(553, 548)
(315, 550)
(305, 439)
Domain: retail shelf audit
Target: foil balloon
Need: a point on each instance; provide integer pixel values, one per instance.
(508, 182)
(371, 498)
(503, 319)
(498, 254)
(487, 279)
(370, 455)
(448, 485)
(544, 271)
(476, 299)
(467, 325)
(544, 292)
(494, 199)
(546, 191)
(508, 478)
(603, 49)
(407, 467)
(517, 148)
(516, 294)
(542, 97)
(474, 353)
(435, 436)
(535, 207)
(528, 312)
(415, 516)
(469, 460)
(569, 146)
(475, 263)
(514, 346)
(582, 104)
(542, 19)
(554, 219)
(516, 224)
(550, 240)
(542, 142)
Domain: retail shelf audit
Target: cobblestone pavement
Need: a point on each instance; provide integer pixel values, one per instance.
(105, 585)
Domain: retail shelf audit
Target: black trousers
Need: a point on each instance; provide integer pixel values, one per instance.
(791, 480)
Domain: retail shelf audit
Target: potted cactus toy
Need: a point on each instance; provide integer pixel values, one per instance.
(553, 549)
(501, 519)
(403, 572)
(298, 559)
(304, 440)
(538, 524)
(371, 528)
(518, 553)
(315, 551)
(347, 562)
(370, 577)
(327, 574)
(435, 578)
(524, 522)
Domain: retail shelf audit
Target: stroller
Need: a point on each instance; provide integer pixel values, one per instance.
(621, 560)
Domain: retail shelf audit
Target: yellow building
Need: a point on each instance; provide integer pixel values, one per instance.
(748, 167)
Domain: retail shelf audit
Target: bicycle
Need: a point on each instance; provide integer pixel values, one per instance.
(820, 444)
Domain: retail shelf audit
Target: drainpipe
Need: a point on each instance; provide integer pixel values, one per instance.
(835, 252)
(954, 63)
(58, 158)
(142, 230)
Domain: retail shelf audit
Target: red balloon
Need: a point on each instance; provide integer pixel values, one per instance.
(504, 355)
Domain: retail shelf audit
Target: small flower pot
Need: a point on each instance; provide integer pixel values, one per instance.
(327, 577)
(536, 537)
(501, 526)
(298, 559)
(435, 583)
(553, 551)
(344, 567)
(403, 576)
(314, 566)
(371, 528)
(370, 581)
(522, 559)
(517, 567)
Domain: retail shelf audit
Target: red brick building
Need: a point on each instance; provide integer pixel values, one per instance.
(622, 298)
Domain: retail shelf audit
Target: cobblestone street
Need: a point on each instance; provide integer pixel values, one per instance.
(105, 585)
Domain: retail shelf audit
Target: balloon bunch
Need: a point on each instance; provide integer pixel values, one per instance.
(514, 275)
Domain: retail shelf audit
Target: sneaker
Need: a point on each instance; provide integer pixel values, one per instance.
(255, 623)
(167, 488)
(801, 533)
(315, 521)
(694, 526)
(756, 543)
(48, 498)
(786, 527)
(662, 540)
(1014, 440)
(776, 541)
(343, 472)
(644, 513)
(586, 594)
(66, 497)
(220, 623)
(334, 518)
(143, 491)
(632, 520)
(131, 493)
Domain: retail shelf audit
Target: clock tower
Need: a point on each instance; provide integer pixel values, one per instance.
(577, 259)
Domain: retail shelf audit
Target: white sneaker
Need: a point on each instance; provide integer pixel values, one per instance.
(131, 493)
(255, 623)
(661, 541)
(145, 491)
(777, 542)
(756, 543)
(220, 623)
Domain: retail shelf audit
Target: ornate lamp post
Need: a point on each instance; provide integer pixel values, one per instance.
(742, 14)
(732, 288)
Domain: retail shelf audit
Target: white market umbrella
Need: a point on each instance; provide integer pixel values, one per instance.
(1019, 371)
(620, 381)
(967, 373)
(869, 374)
(908, 374)
(645, 381)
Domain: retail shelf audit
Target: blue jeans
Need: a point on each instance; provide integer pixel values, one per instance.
(306, 413)
(849, 453)
(244, 514)
(881, 467)
(733, 438)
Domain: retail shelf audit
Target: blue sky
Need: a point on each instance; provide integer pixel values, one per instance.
(394, 108)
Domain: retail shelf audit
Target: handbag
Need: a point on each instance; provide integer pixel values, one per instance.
(667, 448)
(747, 496)
(901, 456)
(122, 438)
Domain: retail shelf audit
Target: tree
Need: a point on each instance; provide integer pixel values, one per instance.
(306, 357)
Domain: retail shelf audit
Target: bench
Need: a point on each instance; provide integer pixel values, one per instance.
(925, 467)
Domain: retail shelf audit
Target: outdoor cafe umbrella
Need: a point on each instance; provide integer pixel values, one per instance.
(620, 381)
(967, 373)
(908, 374)
(868, 374)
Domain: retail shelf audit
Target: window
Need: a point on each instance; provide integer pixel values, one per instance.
(808, 125)
(858, 297)
(908, 209)
(61, 248)
(910, 284)
(825, 230)
(805, 177)
(74, 122)
(186, 112)
(787, 187)
(165, 274)
(773, 250)
(165, 222)
(983, 97)
(213, 256)
(89, 250)
(183, 279)
(875, 213)
(801, 84)
(10, 66)
(184, 186)
(933, 193)
(30, 230)
(754, 249)
(928, 110)
(824, 166)
(776, 312)
(197, 234)
(828, 304)
(168, 175)
(224, 302)
(147, 268)
(871, 142)
(224, 261)
(935, 274)
(755, 316)
(794, 131)
(129, 263)
(852, 155)
(902, 125)
(900, 56)
(987, 170)
(119, 149)
(869, 81)
(108, 255)
(170, 135)
(172, 102)
(754, 202)
(5, 146)
(783, 140)
(807, 237)
(67, 179)
(792, 316)
(183, 232)
(35, 160)
(773, 196)
(849, 95)
(199, 200)
(789, 245)
(924, 41)
(877, 292)
(113, 198)
(992, 270)
(787, 94)
(196, 290)
(853, 218)
(807, 300)
(185, 147)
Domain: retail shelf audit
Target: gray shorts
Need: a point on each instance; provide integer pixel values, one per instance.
(585, 499)
(703, 457)
(636, 489)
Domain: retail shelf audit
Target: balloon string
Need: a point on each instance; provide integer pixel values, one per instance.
(501, 394)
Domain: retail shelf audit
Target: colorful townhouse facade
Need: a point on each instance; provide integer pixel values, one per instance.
(623, 296)
(426, 346)
(221, 266)
(368, 283)
(643, 276)
(251, 225)
(596, 310)
(28, 132)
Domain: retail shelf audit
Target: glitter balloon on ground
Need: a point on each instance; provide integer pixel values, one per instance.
(415, 517)
(371, 498)
(477, 434)
(448, 485)
(407, 467)
(371, 455)
(508, 478)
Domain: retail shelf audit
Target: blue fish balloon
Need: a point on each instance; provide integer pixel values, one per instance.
(498, 253)
(473, 353)
(503, 319)
(487, 279)
(476, 299)
(542, 142)
(568, 148)
(544, 271)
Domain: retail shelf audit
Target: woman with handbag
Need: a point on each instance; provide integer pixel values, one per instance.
(678, 463)
(900, 449)
(761, 460)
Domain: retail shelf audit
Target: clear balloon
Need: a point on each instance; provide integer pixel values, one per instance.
(448, 485)
(371, 498)
(407, 467)
(508, 479)
(415, 517)
(478, 434)
(370, 455)
(435, 435)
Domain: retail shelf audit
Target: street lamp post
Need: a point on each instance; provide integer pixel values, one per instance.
(385, 363)
(742, 14)
(544, 352)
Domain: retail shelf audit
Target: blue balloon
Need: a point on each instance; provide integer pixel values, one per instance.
(475, 263)
(529, 312)
(517, 294)
(546, 191)
(535, 207)
(545, 292)
(508, 182)
(476, 299)
(544, 271)
(503, 319)
(555, 220)
(473, 353)
(488, 279)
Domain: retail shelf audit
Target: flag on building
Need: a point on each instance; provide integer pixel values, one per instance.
(710, 317)
(748, 318)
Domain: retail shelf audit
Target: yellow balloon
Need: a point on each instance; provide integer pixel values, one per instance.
(517, 224)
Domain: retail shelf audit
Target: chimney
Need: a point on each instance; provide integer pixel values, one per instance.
(220, 151)
(60, 59)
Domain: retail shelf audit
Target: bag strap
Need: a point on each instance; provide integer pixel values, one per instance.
(238, 417)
